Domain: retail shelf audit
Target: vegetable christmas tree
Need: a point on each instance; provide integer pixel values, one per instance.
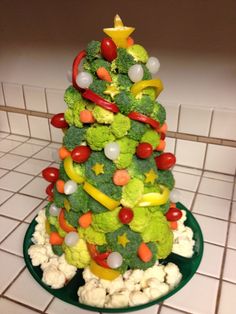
(109, 205)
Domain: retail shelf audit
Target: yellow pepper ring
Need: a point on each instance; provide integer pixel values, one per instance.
(139, 86)
(102, 272)
(154, 198)
(100, 197)
(70, 171)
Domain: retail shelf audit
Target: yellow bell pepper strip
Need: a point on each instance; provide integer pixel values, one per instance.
(70, 171)
(139, 86)
(100, 197)
(47, 227)
(102, 272)
(119, 33)
(155, 198)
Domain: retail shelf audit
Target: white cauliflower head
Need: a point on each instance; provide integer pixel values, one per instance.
(38, 254)
(53, 277)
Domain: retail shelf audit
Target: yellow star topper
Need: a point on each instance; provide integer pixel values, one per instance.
(119, 33)
(150, 176)
(98, 168)
(123, 240)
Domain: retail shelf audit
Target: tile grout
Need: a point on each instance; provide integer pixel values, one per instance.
(22, 304)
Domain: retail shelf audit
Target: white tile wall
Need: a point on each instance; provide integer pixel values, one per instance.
(57, 134)
(13, 95)
(35, 98)
(2, 102)
(4, 125)
(170, 144)
(224, 124)
(195, 120)
(172, 112)
(18, 123)
(221, 158)
(55, 100)
(39, 127)
(227, 299)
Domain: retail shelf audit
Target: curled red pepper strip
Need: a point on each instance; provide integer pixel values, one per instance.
(142, 118)
(75, 68)
(98, 100)
(99, 258)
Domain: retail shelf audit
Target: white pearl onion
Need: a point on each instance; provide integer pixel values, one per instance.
(71, 238)
(54, 210)
(112, 150)
(175, 196)
(135, 73)
(153, 65)
(114, 260)
(84, 79)
(70, 187)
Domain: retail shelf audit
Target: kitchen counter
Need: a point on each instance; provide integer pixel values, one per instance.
(210, 196)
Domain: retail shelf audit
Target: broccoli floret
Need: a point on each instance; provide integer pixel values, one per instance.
(144, 105)
(92, 236)
(93, 66)
(125, 101)
(72, 217)
(139, 167)
(58, 198)
(95, 206)
(138, 52)
(149, 91)
(102, 115)
(72, 115)
(62, 174)
(122, 82)
(166, 178)
(110, 189)
(135, 262)
(79, 200)
(127, 149)
(120, 125)
(137, 130)
(93, 50)
(72, 96)
(159, 113)
(107, 221)
(47, 207)
(74, 136)
(151, 137)
(57, 249)
(123, 61)
(98, 136)
(98, 87)
(102, 176)
(146, 73)
(132, 193)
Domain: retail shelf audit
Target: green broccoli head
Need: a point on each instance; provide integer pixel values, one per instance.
(92, 236)
(136, 263)
(159, 113)
(151, 137)
(107, 221)
(93, 50)
(98, 136)
(122, 82)
(125, 101)
(72, 115)
(72, 217)
(58, 198)
(62, 174)
(97, 63)
(139, 167)
(77, 255)
(79, 200)
(166, 178)
(99, 87)
(146, 73)
(102, 115)
(138, 52)
(144, 105)
(120, 125)
(132, 193)
(74, 136)
(140, 220)
(127, 149)
(123, 61)
(137, 130)
(72, 96)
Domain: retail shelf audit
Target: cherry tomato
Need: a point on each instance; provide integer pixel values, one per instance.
(126, 215)
(50, 174)
(144, 150)
(58, 121)
(165, 161)
(108, 49)
(173, 214)
(80, 153)
(49, 189)
(162, 136)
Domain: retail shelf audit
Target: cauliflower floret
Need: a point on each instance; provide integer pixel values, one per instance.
(51, 261)
(39, 237)
(67, 269)
(118, 299)
(137, 297)
(53, 277)
(49, 250)
(183, 240)
(137, 275)
(173, 275)
(92, 293)
(153, 272)
(38, 254)
(87, 275)
(113, 286)
(41, 217)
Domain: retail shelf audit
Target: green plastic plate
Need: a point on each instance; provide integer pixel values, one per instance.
(187, 266)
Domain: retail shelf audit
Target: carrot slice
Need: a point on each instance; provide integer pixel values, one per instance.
(130, 41)
(85, 220)
(60, 186)
(55, 238)
(173, 225)
(144, 252)
(161, 145)
(104, 75)
(63, 152)
(121, 177)
(163, 128)
(86, 116)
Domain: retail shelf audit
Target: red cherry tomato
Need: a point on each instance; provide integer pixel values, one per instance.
(58, 121)
(162, 136)
(144, 150)
(49, 189)
(108, 49)
(173, 214)
(50, 174)
(126, 215)
(165, 161)
(80, 153)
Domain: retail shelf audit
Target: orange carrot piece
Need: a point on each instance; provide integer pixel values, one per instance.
(130, 41)
(121, 177)
(173, 225)
(104, 75)
(163, 128)
(172, 205)
(161, 146)
(63, 152)
(85, 220)
(60, 186)
(55, 238)
(86, 116)
(144, 252)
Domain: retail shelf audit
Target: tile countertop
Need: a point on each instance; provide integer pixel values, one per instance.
(211, 196)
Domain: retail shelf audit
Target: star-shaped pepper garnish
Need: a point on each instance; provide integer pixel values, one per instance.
(98, 168)
(123, 240)
(119, 33)
(150, 176)
(111, 90)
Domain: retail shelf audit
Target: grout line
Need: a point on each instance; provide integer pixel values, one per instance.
(15, 278)
(174, 308)
(11, 253)
(22, 304)
(46, 308)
